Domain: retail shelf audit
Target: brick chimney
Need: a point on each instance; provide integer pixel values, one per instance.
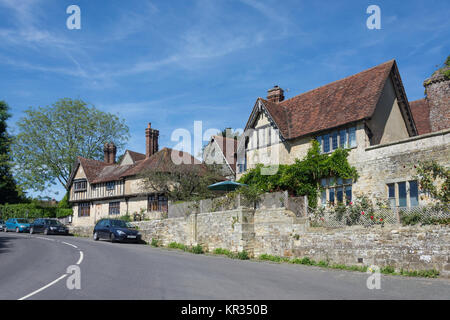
(151, 141)
(109, 152)
(276, 94)
(437, 89)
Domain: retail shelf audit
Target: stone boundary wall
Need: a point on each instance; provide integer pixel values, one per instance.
(280, 232)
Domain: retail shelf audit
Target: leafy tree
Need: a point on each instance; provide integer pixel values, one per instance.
(303, 177)
(51, 138)
(9, 192)
(182, 183)
(435, 180)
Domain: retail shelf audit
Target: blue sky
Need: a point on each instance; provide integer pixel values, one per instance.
(173, 62)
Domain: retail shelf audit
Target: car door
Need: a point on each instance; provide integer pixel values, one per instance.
(106, 228)
(36, 224)
(100, 229)
(9, 224)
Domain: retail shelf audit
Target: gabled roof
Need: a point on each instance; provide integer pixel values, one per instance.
(98, 171)
(421, 113)
(92, 168)
(338, 103)
(162, 162)
(222, 142)
(135, 156)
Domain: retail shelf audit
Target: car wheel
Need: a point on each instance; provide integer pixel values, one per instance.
(46, 231)
(6, 229)
(31, 231)
(112, 237)
(17, 230)
(95, 236)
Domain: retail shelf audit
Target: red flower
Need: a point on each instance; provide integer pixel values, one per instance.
(371, 217)
(381, 219)
(362, 212)
(351, 203)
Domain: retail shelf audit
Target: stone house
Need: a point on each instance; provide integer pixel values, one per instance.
(100, 189)
(367, 113)
(222, 151)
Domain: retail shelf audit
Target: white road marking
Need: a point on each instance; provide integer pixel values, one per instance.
(60, 278)
(43, 288)
(46, 238)
(81, 257)
(69, 244)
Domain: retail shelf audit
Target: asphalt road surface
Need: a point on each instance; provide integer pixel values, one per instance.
(35, 267)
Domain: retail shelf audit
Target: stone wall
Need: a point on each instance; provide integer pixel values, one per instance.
(280, 232)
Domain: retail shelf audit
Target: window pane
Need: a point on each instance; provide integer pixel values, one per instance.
(413, 194)
(340, 194)
(391, 194)
(402, 194)
(339, 182)
(323, 182)
(323, 198)
(334, 139)
(326, 143)
(348, 193)
(319, 139)
(343, 139)
(391, 188)
(352, 137)
(332, 195)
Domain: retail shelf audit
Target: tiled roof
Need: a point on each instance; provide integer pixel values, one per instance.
(162, 162)
(344, 101)
(421, 113)
(92, 168)
(136, 156)
(229, 156)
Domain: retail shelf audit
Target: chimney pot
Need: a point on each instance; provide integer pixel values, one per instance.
(151, 141)
(276, 94)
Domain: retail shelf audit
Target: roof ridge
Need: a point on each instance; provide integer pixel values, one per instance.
(339, 80)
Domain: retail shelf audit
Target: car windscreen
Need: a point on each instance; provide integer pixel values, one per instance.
(22, 221)
(119, 224)
(53, 223)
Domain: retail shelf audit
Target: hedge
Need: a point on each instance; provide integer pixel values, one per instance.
(32, 211)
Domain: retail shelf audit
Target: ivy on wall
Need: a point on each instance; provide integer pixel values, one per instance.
(303, 177)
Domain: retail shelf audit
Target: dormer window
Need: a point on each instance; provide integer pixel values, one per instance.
(110, 185)
(80, 185)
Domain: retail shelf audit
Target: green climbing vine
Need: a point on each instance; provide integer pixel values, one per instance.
(303, 177)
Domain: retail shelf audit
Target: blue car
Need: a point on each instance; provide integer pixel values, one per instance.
(17, 225)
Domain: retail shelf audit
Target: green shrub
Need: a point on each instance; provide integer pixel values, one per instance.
(221, 251)
(197, 249)
(243, 255)
(126, 218)
(387, 270)
(32, 211)
(410, 219)
(175, 245)
(155, 242)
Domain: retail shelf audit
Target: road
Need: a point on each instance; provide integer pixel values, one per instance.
(35, 267)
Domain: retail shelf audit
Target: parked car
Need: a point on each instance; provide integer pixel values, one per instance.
(2, 225)
(115, 230)
(48, 226)
(17, 224)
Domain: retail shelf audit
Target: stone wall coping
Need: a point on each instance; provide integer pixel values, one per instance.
(410, 139)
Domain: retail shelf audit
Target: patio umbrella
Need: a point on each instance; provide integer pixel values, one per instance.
(226, 186)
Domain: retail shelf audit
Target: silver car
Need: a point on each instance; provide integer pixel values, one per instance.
(2, 225)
